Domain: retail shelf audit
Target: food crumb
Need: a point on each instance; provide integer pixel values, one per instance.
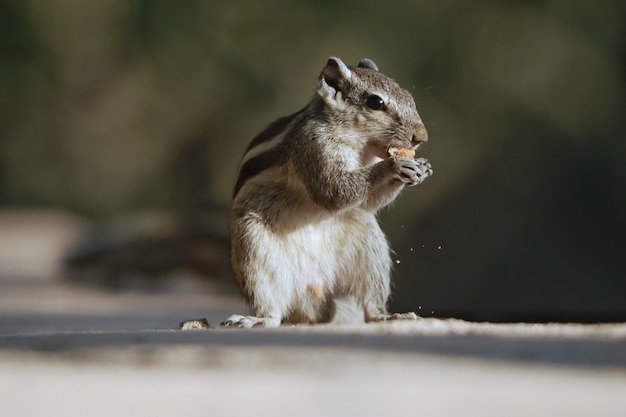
(397, 261)
(439, 247)
(405, 152)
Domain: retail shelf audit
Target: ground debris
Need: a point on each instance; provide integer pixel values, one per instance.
(196, 324)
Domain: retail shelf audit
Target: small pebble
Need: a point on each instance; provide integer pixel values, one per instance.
(198, 324)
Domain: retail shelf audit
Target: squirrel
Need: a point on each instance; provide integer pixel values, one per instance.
(304, 233)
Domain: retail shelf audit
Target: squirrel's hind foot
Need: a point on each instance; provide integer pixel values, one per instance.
(394, 316)
(237, 320)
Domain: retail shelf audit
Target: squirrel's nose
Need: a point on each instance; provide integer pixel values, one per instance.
(420, 135)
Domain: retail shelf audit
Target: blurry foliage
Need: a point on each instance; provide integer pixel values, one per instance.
(112, 106)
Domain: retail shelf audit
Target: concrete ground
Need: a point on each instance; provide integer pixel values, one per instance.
(68, 350)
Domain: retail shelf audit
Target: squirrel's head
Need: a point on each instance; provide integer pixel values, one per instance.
(370, 105)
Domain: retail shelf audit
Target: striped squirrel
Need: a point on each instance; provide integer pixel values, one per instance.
(304, 233)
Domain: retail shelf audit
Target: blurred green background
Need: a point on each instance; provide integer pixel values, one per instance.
(110, 108)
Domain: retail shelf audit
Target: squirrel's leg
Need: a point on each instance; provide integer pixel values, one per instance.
(376, 271)
(265, 305)
(264, 301)
(256, 260)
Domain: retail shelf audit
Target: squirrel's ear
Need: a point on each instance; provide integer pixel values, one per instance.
(368, 63)
(332, 79)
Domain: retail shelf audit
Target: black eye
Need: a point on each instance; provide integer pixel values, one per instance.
(375, 103)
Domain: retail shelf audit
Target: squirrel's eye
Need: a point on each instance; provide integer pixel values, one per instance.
(375, 103)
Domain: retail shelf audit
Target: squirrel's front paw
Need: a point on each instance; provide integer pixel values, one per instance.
(424, 170)
(411, 171)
